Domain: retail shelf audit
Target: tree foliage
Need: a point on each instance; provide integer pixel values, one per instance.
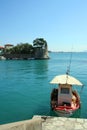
(26, 48)
(40, 42)
(22, 48)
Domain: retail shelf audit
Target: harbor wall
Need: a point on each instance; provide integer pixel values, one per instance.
(47, 123)
(33, 124)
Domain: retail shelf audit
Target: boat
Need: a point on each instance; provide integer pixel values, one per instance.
(65, 100)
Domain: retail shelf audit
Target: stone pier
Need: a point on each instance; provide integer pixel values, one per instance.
(47, 123)
(62, 123)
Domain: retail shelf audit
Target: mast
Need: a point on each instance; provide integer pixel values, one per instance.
(68, 68)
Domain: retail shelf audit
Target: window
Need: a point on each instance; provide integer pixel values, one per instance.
(64, 90)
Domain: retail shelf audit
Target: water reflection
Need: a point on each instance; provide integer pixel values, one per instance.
(40, 67)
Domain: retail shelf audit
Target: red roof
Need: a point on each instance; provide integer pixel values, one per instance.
(1, 47)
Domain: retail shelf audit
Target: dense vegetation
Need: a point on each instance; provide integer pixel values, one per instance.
(22, 48)
(26, 48)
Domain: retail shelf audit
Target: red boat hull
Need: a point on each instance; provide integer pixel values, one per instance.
(66, 110)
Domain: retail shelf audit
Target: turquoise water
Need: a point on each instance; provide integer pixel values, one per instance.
(25, 89)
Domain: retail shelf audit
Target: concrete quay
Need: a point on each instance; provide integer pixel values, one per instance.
(32, 124)
(62, 123)
(47, 123)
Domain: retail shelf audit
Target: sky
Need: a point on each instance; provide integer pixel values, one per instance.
(62, 23)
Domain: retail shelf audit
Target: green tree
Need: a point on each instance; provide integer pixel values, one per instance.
(22, 48)
(40, 42)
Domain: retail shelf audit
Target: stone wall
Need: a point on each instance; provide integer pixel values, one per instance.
(33, 124)
(18, 56)
(41, 53)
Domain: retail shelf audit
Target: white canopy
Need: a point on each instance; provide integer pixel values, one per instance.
(66, 79)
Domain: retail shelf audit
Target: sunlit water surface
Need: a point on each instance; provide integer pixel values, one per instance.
(25, 88)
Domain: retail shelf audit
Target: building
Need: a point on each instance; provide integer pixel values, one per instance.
(8, 46)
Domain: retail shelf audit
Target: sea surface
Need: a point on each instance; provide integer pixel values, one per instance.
(25, 85)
